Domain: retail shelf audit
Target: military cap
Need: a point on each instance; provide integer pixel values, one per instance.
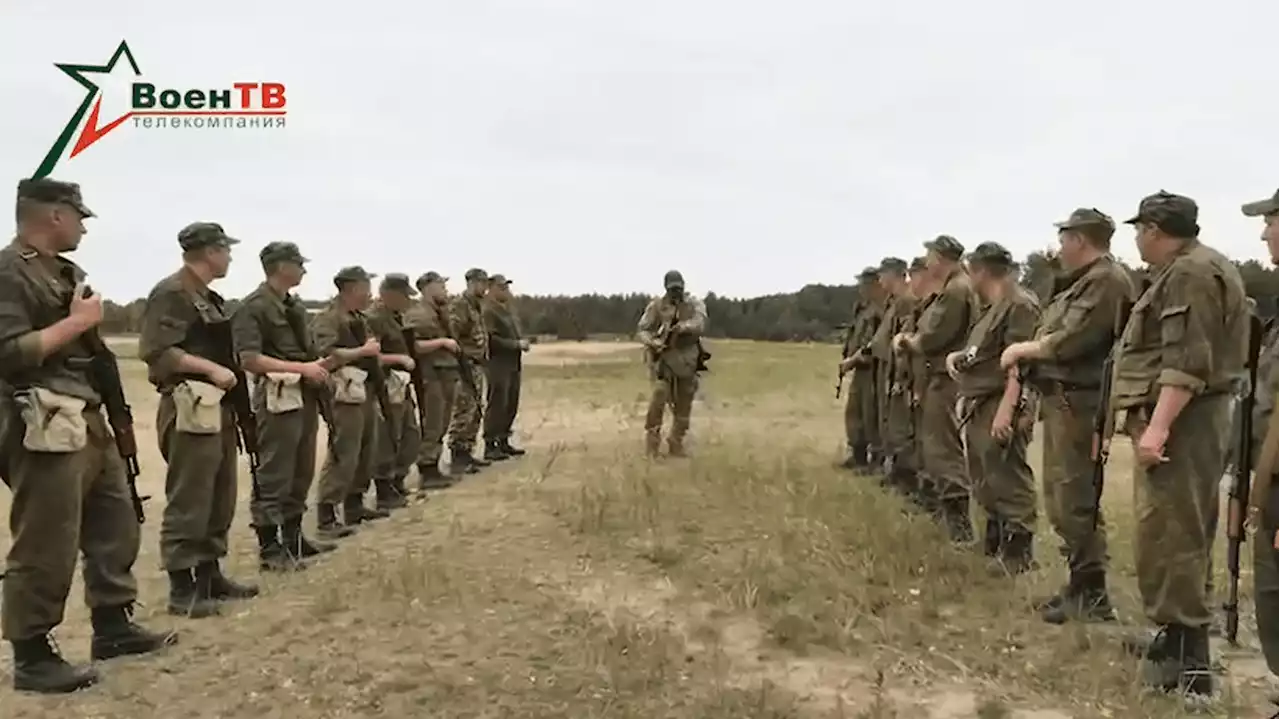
(869, 274)
(281, 252)
(673, 278)
(919, 265)
(499, 280)
(204, 234)
(397, 282)
(1164, 206)
(1086, 217)
(355, 273)
(991, 253)
(427, 278)
(946, 246)
(896, 265)
(46, 189)
(475, 273)
(1261, 208)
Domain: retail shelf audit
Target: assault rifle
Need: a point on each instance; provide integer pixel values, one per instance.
(467, 372)
(1237, 512)
(373, 365)
(324, 399)
(1101, 440)
(104, 373)
(241, 406)
(418, 377)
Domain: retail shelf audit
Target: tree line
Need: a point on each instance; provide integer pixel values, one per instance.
(813, 313)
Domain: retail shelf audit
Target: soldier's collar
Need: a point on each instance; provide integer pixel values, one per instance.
(192, 281)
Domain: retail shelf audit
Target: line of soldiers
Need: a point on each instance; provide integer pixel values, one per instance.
(390, 378)
(953, 365)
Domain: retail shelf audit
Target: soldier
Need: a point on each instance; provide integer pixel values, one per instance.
(1078, 327)
(922, 289)
(395, 454)
(671, 328)
(894, 395)
(273, 344)
(341, 334)
(186, 344)
(996, 417)
(1178, 356)
(1265, 581)
(68, 481)
(466, 316)
(503, 373)
(437, 352)
(861, 419)
(942, 328)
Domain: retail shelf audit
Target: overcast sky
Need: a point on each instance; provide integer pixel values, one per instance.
(590, 145)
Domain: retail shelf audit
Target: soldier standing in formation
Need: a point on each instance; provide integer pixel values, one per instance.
(70, 493)
(996, 418)
(1077, 330)
(186, 344)
(466, 317)
(671, 328)
(342, 336)
(396, 454)
(942, 329)
(271, 337)
(861, 419)
(895, 426)
(506, 346)
(437, 350)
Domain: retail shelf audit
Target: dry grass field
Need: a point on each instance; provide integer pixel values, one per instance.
(582, 581)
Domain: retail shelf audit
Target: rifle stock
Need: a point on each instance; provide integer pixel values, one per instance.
(241, 403)
(1100, 450)
(418, 377)
(1238, 506)
(378, 375)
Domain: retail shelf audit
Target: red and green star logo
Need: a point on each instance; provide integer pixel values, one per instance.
(92, 103)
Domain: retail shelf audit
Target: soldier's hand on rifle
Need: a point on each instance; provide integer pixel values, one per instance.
(524, 345)
(1002, 424)
(406, 362)
(1016, 352)
(900, 342)
(371, 348)
(222, 378)
(314, 372)
(1150, 446)
(86, 310)
(952, 363)
(847, 364)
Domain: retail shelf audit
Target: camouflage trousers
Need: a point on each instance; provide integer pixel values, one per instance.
(395, 458)
(1067, 477)
(286, 461)
(200, 487)
(65, 504)
(467, 414)
(861, 415)
(899, 440)
(1266, 578)
(677, 393)
(942, 451)
(442, 388)
(1173, 500)
(1002, 480)
(351, 449)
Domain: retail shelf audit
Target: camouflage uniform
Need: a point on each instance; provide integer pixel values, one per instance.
(861, 416)
(1002, 481)
(942, 329)
(353, 442)
(430, 320)
(182, 316)
(466, 316)
(65, 500)
(673, 371)
(896, 428)
(1266, 582)
(1186, 332)
(1077, 329)
(274, 324)
(395, 458)
(502, 375)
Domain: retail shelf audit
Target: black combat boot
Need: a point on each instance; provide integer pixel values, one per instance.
(1177, 661)
(510, 449)
(955, 518)
(675, 447)
(461, 462)
(1016, 552)
(222, 587)
(271, 554)
(993, 536)
(297, 545)
(39, 668)
(327, 524)
(115, 634)
(430, 477)
(397, 483)
(857, 458)
(355, 512)
(1085, 598)
(190, 598)
(493, 451)
(388, 499)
